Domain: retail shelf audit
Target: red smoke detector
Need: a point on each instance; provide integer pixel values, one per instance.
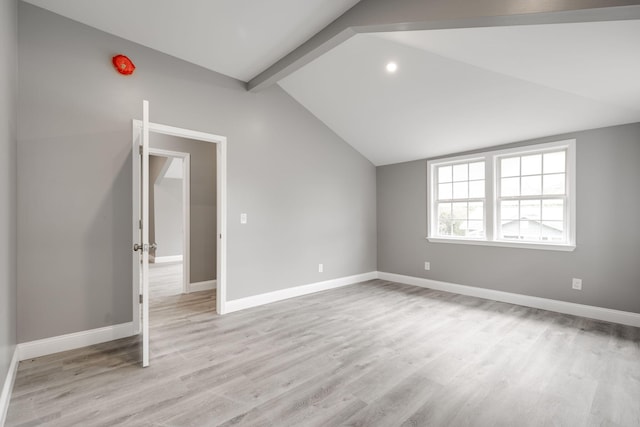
(123, 65)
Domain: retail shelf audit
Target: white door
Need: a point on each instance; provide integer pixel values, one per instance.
(141, 246)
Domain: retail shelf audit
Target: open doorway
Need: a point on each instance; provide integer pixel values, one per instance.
(182, 217)
(169, 222)
(204, 253)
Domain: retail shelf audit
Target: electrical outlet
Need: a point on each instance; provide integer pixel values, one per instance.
(320, 268)
(576, 284)
(427, 265)
(243, 218)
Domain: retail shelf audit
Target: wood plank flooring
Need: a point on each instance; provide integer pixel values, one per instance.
(371, 354)
(165, 279)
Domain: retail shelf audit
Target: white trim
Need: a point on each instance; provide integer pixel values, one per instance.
(221, 245)
(504, 244)
(7, 388)
(46, 346)
(572, 173)
(257, 300)
(144, 216)
(169, 258)
(181, 132)
(160, 152)
(136, 137)
(490, 194)
(202, 286)
(186, 221)
(589, 311)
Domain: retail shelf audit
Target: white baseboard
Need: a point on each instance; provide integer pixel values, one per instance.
(43, 347)
(256, 300)
(5, 395)
(202, 286)
(170, 258)
(590, 311)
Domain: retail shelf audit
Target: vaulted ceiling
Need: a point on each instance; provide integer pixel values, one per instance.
(463, 89)
(238, 38)
(453, 90)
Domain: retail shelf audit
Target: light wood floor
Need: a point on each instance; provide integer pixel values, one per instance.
(370, 354)
(165, 279)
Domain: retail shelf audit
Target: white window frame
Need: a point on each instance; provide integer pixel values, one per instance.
(491, 200)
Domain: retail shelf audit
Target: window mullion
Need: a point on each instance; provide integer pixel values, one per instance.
(432, 199)
(540, 197)
(489, 193)
(477, 199)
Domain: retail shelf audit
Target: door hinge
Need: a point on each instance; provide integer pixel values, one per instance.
(140, 224)
(140, 298)
(140, 149)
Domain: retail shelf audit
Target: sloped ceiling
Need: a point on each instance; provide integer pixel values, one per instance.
(238, 38)
(463, 89)
(454, 90)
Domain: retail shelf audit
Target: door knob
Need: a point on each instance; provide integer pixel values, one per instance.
(153, 246)
(137, 247)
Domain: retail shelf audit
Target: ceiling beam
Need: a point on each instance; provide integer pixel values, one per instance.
(406, 15)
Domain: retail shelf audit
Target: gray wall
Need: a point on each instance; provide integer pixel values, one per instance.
(608, 231)
(309, 196)
(203, 181)
(156, 164)
(8, 121)
(168, 213)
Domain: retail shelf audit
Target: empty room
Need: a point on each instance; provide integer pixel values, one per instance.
(319, 213)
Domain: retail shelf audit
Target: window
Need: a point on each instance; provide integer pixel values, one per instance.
(460, 199)
(522, 197)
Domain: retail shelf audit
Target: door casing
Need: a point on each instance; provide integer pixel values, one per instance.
(221, 210)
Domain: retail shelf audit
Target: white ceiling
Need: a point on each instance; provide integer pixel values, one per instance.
(464, 89)
(174, 170)
(238, 38)
(454, 90)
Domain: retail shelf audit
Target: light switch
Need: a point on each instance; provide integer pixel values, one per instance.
(243, 218)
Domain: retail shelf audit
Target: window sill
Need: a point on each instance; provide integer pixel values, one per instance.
(520, 245)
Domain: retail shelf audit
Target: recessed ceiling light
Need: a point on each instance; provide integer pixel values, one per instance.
(392, 67)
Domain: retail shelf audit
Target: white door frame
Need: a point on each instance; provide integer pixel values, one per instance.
(186, 210)
(221, 208)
